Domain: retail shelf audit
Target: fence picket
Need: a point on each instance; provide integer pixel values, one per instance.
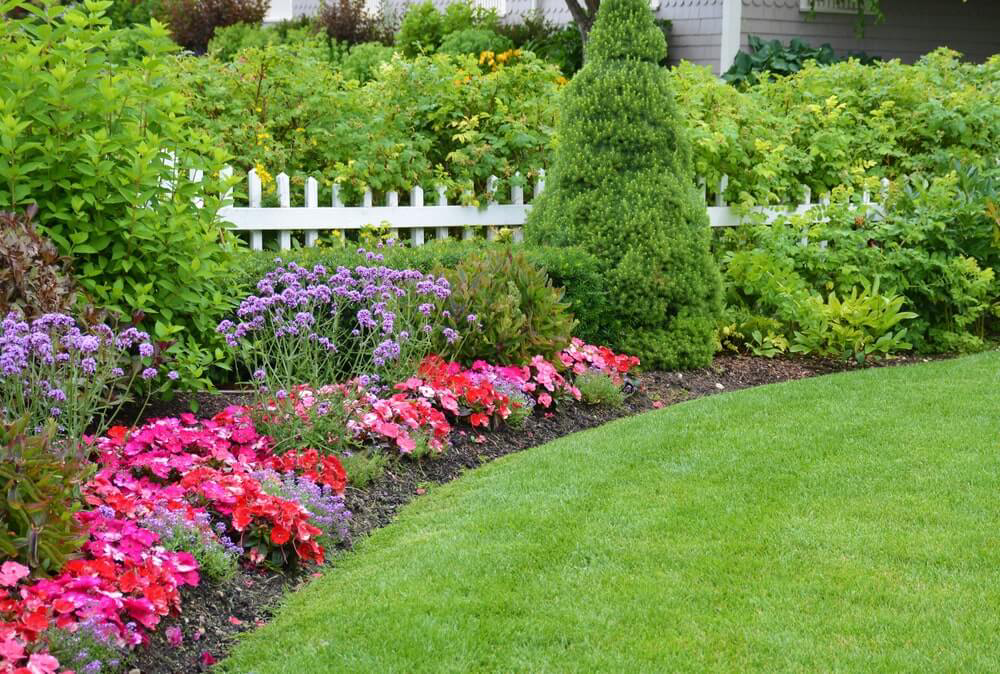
(284, 201)
(254, 193)
(441, 232)
(312, 201)
(417, 201)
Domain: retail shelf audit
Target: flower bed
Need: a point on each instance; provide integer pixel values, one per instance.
(177, 499)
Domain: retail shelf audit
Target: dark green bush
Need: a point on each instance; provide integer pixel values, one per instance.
(519, 313)
(41, 490)
(622, 187)
(474, 41)
(127, 13)
(769, 59)
(572, 269)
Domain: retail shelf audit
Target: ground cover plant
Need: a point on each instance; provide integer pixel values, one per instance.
(625, 193)
(683, 527)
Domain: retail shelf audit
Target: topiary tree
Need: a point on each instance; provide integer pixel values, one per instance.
(622, 187)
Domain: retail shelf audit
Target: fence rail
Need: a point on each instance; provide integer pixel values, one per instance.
(423, 220)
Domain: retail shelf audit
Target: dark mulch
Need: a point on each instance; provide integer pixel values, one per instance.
(217, 612)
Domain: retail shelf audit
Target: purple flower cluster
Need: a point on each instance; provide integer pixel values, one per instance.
(215, 551)
(327, 510)
(319, 326)
(52, 367)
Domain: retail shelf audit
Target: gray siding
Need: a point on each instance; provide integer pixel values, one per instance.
(911, 28)
(697, 30)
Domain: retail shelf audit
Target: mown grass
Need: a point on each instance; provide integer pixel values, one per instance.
(849, 522)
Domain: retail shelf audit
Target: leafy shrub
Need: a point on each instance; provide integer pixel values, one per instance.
(622, 187)
(835, 125)
(34, 278)
(597, 388)
(230, 40)
(348, 22)
(772, 58)
(432, 121)
(861, 325)
(475, 41)
(127, 13)
(933, 246)
(520, 313)
(363, 61)
(51, 368)
(193, 22)
(424, 28)
(41, 486)
(100, 171)
(421, 30)
(561, 45)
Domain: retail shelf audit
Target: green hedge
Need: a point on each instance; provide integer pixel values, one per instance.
(570, 268)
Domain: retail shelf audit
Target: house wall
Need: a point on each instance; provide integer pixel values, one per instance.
(911, 28)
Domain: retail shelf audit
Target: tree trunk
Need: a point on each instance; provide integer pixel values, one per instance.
(584, 16)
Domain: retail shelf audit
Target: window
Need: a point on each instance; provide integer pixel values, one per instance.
(833, 6)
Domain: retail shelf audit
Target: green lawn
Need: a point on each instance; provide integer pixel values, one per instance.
(841, 523)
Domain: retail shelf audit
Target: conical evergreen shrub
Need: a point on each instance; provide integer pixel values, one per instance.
(622, 187)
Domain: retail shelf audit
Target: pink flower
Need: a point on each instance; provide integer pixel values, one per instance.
(11, 572)
(207, 659)
(42, 663)
(174, 636)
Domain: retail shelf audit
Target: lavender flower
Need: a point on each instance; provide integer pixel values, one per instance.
(149, 373)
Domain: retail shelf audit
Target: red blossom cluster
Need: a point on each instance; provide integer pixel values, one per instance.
(465, 394)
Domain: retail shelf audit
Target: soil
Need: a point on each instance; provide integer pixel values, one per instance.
(216, 612)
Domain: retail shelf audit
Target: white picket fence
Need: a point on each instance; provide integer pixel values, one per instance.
(421, 220)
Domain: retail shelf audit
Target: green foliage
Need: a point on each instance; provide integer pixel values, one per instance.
(363, 61)
(34, 277)
(424, 28)
(475, 41)
(364, 466)
(770, 59)
(128, 13)
(561, 45)
(434, 120)
(862, 325)
(622, 187)
(597, 388)
(934, 246)
(194, 22)
(230, 40)
(838, 125)
(88, 140)
(519, 313)
(41, 487)
(421, 30)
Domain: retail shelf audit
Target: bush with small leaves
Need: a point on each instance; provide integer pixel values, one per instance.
(597, 388)
(622, 187)
(193, 22)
